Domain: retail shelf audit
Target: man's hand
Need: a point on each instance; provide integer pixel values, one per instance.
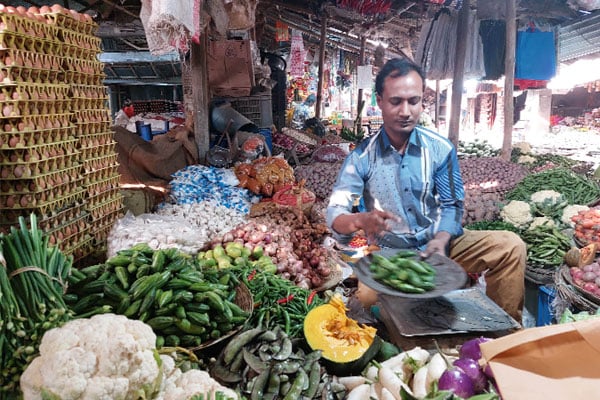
(438, 244)
(376, 223)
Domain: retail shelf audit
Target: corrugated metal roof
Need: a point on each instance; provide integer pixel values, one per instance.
(579, 39)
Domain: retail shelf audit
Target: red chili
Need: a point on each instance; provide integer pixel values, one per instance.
(310, 298)
(285, 299)
(251, 275)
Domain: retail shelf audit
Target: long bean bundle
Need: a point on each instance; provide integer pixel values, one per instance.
(32, 279)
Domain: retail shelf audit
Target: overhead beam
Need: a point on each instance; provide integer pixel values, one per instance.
(130, 57)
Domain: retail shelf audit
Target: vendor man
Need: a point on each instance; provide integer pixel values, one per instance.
(409, 180)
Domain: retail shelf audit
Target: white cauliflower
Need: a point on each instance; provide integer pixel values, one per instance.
(107, 356)
(570, 211)
(517, 213)
(110, 357)
(524, 147)
(546, 197)
(526, 159)
(537, 221)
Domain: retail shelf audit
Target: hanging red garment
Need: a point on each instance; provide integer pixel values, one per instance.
(282, 32)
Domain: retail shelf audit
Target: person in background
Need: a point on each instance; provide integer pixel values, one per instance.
(303, 111)
(409, 181)
(128, 108)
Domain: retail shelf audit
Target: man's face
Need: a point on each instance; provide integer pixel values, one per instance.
(401, 103)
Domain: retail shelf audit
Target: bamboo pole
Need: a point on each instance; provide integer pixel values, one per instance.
(322, 45)
(509, 78)
(361, 61)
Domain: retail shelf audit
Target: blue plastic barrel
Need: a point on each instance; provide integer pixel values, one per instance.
(138, 127)
(146, 132)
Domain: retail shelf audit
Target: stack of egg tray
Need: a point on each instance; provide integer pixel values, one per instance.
(97, 151)
(42, 60)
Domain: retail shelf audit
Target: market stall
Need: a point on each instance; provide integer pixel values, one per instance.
(230, 285)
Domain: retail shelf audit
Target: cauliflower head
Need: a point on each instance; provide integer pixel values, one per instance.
(517, 213)
(537, 221)
(546, 197)
(179, 385)
(107, 356)
(570, 211)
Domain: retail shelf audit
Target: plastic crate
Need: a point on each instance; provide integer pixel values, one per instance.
(545, 314)
(256, 108)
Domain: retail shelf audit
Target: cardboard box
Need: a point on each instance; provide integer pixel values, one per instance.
(230, 67)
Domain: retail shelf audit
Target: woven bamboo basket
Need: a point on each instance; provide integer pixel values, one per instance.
(540, 276)
(569, 295)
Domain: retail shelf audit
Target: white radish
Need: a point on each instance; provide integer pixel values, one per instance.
(350, 382)
(360, 392)
(392, 382)
(372, 373)
(374, 392)
(415, 359)
(386, 395)
(419, 386)
(435, 368)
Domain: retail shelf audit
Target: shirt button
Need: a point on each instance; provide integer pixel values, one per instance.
(406, 189)
(403, 166)
(409, 210)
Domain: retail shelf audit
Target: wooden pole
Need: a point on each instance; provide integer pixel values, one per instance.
(361, 61)
(200, 96)
(509, 78)
(459, 70)
(322, 45)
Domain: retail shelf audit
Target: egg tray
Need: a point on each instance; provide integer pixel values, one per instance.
(71, 231)
(21, 108)
(61, 217)
(96, 139)
(15, 75)
(39, 183)
(29, 169)
(37, 28)
(68, 245)
(83, 129)
(83, 249)
(99, 150)
(14, 40)
(30, 200)
(89, 91)
(34, 91)
(103, 197)
(99, 163)
(86, 67)
(106, 220)
(102, 233)
(48, 205)
(20, 140)
(67, 21)
(38, 122)
(92, 115)
(81, 103)
(100, 174)
(100, 186)
(78, 39)
(38, 152)
(30, 59)
(42, 182)
(81, 78)
(111, 205)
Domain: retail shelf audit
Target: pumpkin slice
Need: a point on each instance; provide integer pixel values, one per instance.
(346, 346)
(581, 257)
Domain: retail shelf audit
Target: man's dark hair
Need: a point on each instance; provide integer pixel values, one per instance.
(394, 68)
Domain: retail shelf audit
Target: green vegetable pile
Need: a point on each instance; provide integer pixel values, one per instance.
(278, 302)
(476, 148)
(403, 271)
(496, 225)
(184, 304)
(32, 280)
(546, 246)
(265, 364)
(575, 188)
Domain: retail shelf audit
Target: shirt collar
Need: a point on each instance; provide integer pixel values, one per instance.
(413, 139)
